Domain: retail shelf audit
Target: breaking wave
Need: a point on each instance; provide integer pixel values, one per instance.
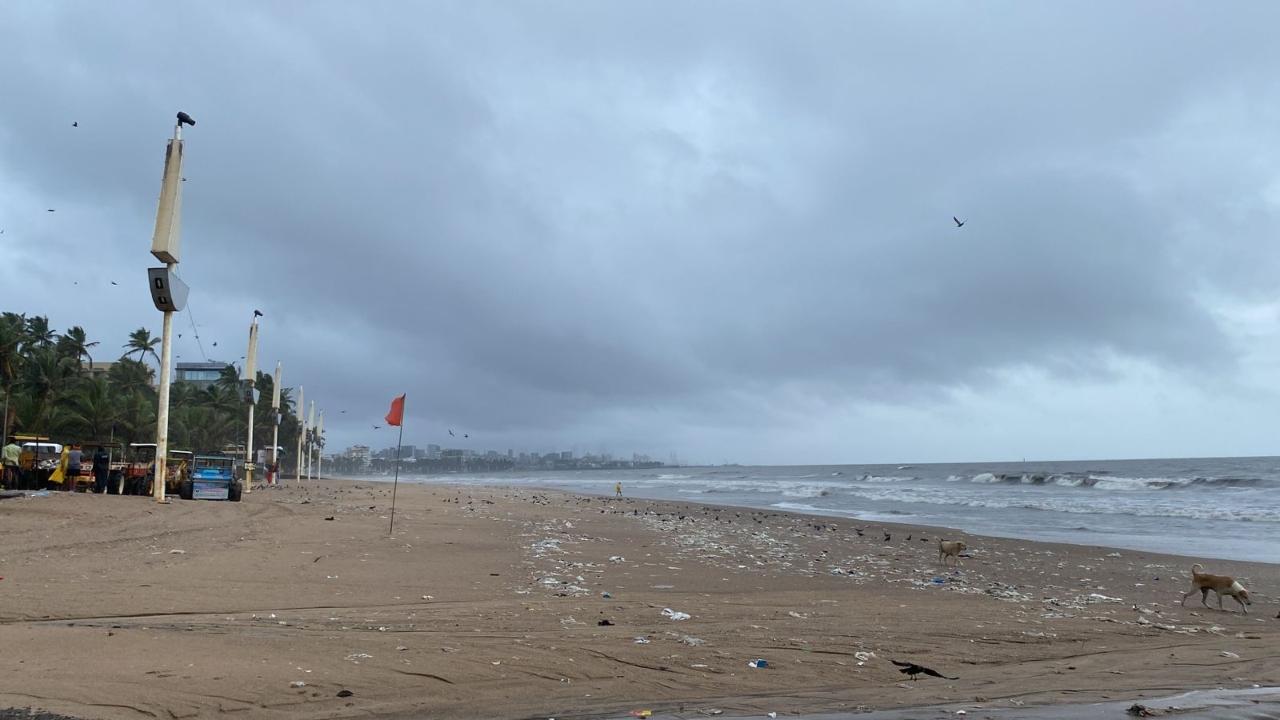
(1101, 481)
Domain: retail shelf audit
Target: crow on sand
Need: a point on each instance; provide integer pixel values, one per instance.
(913, 670)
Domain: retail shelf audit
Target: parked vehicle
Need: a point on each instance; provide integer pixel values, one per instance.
(212, 477)
(140, 472)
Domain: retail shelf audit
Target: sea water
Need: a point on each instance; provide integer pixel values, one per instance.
(1212, 507)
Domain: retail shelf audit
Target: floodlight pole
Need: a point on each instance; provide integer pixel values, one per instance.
(251, 371)
(275, 430)
(164, 246)
(302, 430)
(320, 447)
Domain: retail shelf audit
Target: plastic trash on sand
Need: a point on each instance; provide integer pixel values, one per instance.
(641, 640)
(642, 713)
(675, 614)
(758, 663)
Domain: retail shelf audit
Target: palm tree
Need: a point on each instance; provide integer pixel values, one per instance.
(130, 376)
(142, 343)
(12, 328)
(39, 334)
(93, 408)
(76, 343)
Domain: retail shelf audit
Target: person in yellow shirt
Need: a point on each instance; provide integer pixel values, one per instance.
(11, 455)
(617, 489)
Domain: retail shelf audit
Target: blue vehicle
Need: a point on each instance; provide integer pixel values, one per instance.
(212, 477)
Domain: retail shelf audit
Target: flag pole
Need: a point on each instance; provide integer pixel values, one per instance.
(396, 482)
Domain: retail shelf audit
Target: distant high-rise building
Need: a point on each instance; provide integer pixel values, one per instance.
(199, 374)
(360, 454)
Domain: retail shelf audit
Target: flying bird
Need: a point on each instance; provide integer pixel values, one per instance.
(342, 412)
(451, 434)
(75, 124)
(465, 435)
(913, 670)
(51, 210)
(215, 344)
(113, 282)
(185, 119)
(377, 427)
(959, 224)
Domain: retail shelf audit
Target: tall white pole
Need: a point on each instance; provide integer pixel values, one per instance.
(320, 447)
(302, 430)
(162, 410)
(275, 430)
(251, 373)
(164, 245)
(311, 441)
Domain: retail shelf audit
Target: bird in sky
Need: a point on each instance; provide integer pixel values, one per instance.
(377, 427)
(215, 344)
(465, 435)
(185, 119)
(52, 210)
(913, 670)
(342, 412)
(451, 434)
(959, 223)
(113, 282)
(75, 124)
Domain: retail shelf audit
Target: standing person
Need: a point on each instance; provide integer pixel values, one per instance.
(617, 488)
(73, 467)
(11, 454)
(101, 469)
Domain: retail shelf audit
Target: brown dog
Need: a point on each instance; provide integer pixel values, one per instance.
(1220, 585)
(950, 549)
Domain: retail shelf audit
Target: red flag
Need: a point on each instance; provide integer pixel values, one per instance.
(396, 416)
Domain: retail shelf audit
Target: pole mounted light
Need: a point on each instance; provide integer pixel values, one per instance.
(251, 396)
(168, 292)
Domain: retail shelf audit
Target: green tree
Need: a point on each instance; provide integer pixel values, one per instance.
(142, 344)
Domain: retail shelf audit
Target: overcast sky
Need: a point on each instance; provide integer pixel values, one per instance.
(716, 229)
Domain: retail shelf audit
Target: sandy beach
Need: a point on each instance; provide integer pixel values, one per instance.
(519, 603)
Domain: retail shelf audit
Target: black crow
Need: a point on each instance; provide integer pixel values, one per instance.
(185, 119)
(257, 313)
(913, 670)
(113, 282)
(451, 434)
(886, 537)
(75, 124)
(959, 224)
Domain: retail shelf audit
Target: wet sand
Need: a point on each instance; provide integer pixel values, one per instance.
(488, 603)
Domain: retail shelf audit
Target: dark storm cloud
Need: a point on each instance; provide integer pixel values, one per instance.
(636, 225)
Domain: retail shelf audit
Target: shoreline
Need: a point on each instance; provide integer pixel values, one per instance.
(445, 481)
(487, 602)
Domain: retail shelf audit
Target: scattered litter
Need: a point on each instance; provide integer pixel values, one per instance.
(795, 614)
(605, 623)
(605, 595)
(864, 656)
(758, 663)
(641, 640)
(616, 559)
(297, 684)
(675, 614)
(937, 580)
(39, 493)
(642, 713)
(357, 657)
(773, 714)
(711, 711)
(345, 693)
(177, 552)
(693, 641)
(1139, 710)
(1228, 654)
(401, 648)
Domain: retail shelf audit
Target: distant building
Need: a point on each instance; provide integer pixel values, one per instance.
(359, 454)
(433, 452)
(406, 451)
(98, 369)
(199, 374)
